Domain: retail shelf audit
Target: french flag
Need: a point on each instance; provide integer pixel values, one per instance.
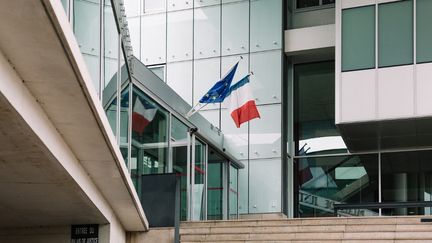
(142, 115)
(241, 102)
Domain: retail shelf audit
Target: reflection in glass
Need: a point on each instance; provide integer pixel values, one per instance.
(407, 177)
(324, 181)
(198, 192)
(314, 109)
(179, 143)
(424, 31)
(149, 137)
(215, 186)
(233, 192)
(124, 124)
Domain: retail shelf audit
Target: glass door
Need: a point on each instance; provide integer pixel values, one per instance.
(198, 179)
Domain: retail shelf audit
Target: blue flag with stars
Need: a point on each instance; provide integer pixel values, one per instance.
(221, 89)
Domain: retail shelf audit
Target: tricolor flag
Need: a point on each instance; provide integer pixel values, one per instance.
(142, 115)
(241, 102)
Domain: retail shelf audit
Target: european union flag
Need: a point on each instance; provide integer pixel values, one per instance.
(221, 89)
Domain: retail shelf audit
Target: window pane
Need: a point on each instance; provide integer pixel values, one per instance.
(132, 7)
(265, 186)
(111, 43)
(198, 186)
(307, 3)
(424, 31)
(149, 135)
(233, 192)
(407, 177)
(266, 25)
(243, 192)
(154, 6)
(179, 78)
(111, 113)
(328, 2)
(395, 28)
(135, 35)
(65, 5)
(206, 74)
(153, 39)
(358, 38)
(207, 32)
(159, 71)
(215, 187)
(180, 33)
(325, 181)
(124, 124)
(314, 120)
(235, 28)
(87, 28)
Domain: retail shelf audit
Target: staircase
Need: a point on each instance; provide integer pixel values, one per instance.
(327, 230)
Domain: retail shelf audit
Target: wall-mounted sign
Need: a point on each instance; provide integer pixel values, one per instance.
(87, 233)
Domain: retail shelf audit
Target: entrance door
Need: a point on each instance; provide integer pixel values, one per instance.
(189, 162)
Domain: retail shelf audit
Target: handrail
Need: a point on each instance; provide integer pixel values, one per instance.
(380, 205)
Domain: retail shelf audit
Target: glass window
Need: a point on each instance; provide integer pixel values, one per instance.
(154, 6)
(132, 7)
(153, 39)
(198, 192)
(406, 177)
(358, 38)
(265, 133)
(265, 186)
(206, 74)
(215, 185)
(266, 25)
(324, 181)
(135, 35)
(307, 3)
(395, 28)
(233, 192)
(174, 5)
(111, 46)
(179, 36)
(179, 143)
(111, 113)
(124, 124)
(243, 189)
(159, 71)
(203, 3)
(424, 31)
(87, 30)
(267, 75)
(315, 131)
(179, 78)
(149, 135)
(207, 32)
(235, 28)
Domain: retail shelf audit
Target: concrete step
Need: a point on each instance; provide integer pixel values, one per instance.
(312, 221)
(361, 229)
(306, 228)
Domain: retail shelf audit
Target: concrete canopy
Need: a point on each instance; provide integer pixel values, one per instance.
(55, 127)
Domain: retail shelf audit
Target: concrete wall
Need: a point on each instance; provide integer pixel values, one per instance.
(156, 235)
(36, 235)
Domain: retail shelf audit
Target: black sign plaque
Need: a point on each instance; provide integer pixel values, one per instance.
(87, 233)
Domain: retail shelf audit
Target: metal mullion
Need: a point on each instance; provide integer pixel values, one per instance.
(379, 183)
(188, 178)
(130, 128)
(170, 154)
(192, 168)
(205, 180)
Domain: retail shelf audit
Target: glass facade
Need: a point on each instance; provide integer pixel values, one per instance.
(198, 42)
(314, 110)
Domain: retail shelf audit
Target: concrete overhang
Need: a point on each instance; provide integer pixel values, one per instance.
(55, 93)
(387, 135)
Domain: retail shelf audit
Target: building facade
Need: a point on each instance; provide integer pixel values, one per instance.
(341, 90)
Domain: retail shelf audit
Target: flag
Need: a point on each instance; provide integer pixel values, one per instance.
(241, 102)
(221, 89)
(217, 93)
(142, 115)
